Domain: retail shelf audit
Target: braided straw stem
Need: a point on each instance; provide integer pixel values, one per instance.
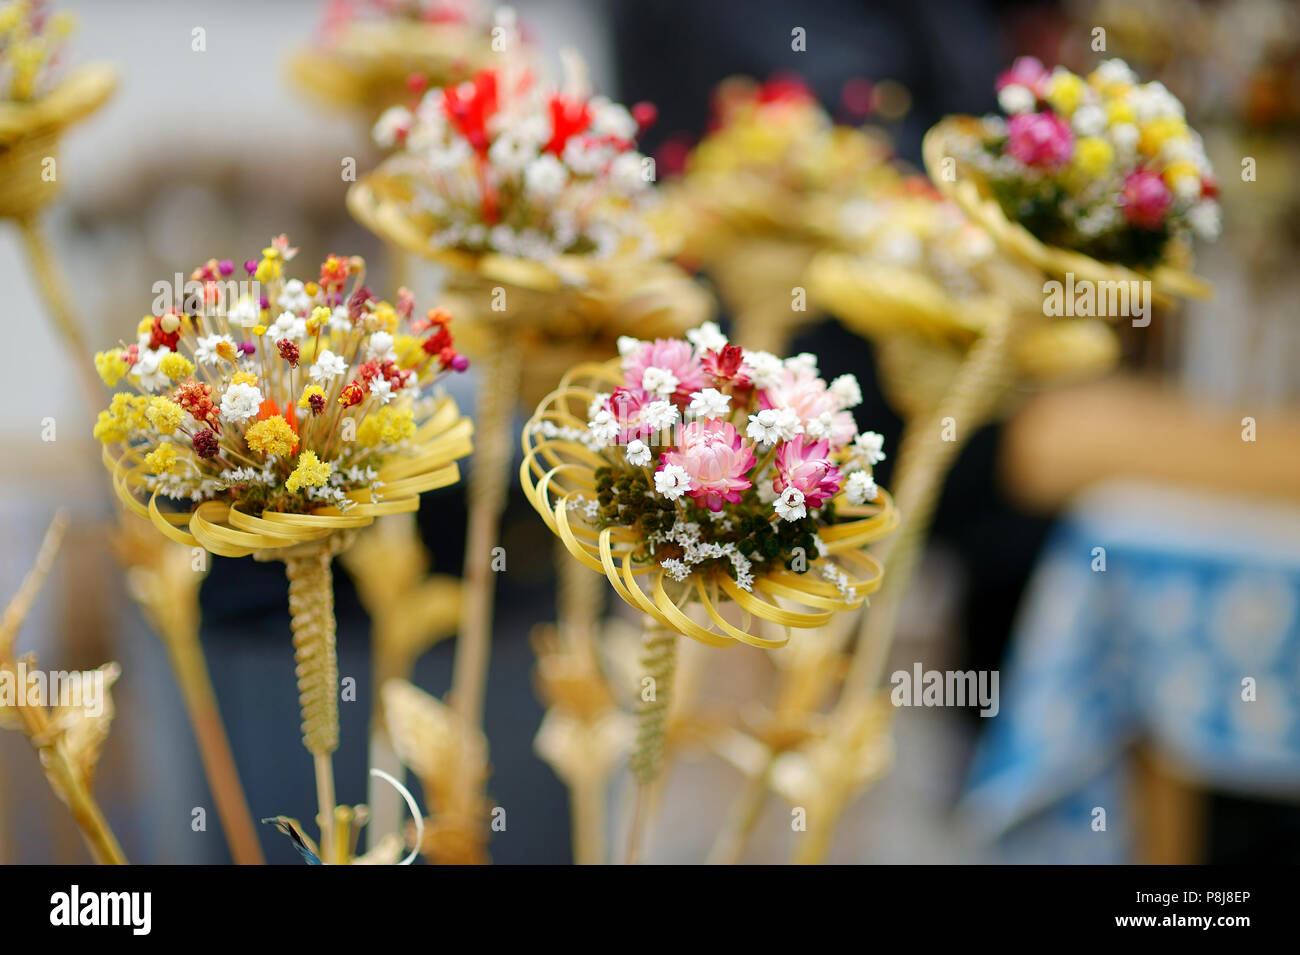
(311, 612)
(311, 618)
(53, 291)
(925, 459)
(659, 664)
(498, 396)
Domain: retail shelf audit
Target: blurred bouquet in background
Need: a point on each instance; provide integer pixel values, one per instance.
(502, 164)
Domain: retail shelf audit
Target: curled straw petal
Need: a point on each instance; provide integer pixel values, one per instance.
(230, 532)
(558, 472)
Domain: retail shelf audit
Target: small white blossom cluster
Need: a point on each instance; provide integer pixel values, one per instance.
(686, 535)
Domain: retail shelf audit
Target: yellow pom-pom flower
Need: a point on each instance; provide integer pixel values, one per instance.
(162, 459)
(129, 409)
(270, 268)
(271, 436)
(1184, 171)
(176, 366)
(111, 366)
(1156, 133)
(109, 429)
(1093, 156)
(409, 351)
(310, 472)
(1065, 92)
(388, 425)
(164, 414)
(1120, 111)
(387, 316)
(243, 378)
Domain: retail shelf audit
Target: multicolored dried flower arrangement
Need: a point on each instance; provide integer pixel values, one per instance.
(1102, 164)
(712, 465)
(290, 400)
(502, 164)
(31, 40)
(776, 131)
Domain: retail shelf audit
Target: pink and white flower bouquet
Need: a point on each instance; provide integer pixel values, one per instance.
(709, 467)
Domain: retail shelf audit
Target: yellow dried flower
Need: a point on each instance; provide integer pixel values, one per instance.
(1120, 111)
(1093, 156)
(410, 351)
(164, 414)
(129, 409)
(305, 400)
(1065, 92)
(111, 366)
(1159, 131)
(387, 316)
(310, 472)
(271, 436)
(176, 366)
(243, 378)
(270, 268)
(162, 459)
(109, 429)
(319, 318)
(388, 425)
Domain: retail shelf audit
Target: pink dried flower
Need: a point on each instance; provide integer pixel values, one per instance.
(1041, 139)
(671, 355)
(806, 467)
(1146, 199)
(1026, 71)
(717, 459)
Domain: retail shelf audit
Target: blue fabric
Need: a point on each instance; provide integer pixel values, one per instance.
(1155, 647)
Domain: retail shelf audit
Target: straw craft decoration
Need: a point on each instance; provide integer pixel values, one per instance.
(275, 417)
(711, 516)
(1098, 176)
(37, 103)
(368, 52)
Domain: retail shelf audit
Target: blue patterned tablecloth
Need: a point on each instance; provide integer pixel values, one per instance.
(1200, 595)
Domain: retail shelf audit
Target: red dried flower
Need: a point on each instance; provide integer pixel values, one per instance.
(205, 443)
(288, 351)
(317, 404)
(196, 398)
(163, 339)
(726, 365)
(357, 303)
(352, 394)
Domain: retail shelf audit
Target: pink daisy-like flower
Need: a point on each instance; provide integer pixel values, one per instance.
(717, 458)
(1146, 199)
(807, 395)
(670, 355)
(1041, 139)
(806, 467)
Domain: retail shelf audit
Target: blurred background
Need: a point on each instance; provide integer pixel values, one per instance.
(1120, 689)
